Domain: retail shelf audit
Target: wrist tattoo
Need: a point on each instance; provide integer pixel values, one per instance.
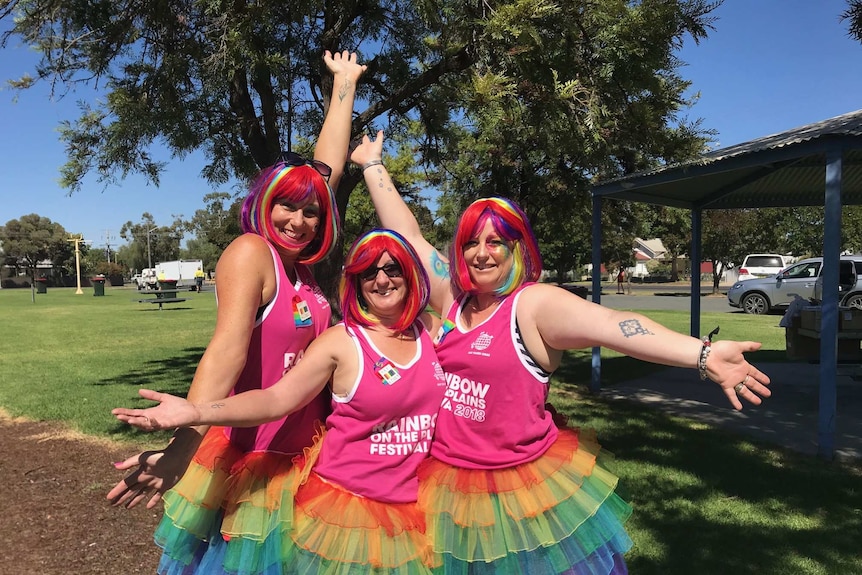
(632, 327)
(345, 88)
(217, 405)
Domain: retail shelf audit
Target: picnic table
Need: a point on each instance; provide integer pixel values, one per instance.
(162, 297)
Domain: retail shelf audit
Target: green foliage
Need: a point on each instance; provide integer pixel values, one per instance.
(32, 239)
(218, 222)
(149, 243)
(110, 269)
(529, 99)
(853, 16)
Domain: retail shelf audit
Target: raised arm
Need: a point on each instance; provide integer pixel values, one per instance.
(292, 392)
(395, 215)
(334, 138)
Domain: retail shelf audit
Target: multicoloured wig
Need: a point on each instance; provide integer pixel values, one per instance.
(363, 254)
(298, 185)
(511, 223)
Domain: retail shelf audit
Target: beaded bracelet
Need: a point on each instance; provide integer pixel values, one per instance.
(704, 353)
(367, 165)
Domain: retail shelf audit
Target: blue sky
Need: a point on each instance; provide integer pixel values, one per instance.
(769, 65)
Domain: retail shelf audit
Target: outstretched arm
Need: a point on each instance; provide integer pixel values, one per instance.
(248, 280)
(395, 215)
(331, 147)
(292, 392)
(553, 317)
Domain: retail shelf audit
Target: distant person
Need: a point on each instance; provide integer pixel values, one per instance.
(269, 309)
(621, 278)
(354, 491)
(199, 279)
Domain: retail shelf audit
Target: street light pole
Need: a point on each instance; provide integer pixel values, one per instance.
(149, 256)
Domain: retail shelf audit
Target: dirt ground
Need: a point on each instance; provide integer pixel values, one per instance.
(54, 518)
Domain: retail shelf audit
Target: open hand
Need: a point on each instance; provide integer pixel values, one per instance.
(727, 366)
(171, 412)
(344, 63)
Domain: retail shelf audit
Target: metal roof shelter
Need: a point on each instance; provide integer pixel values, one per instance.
(813, 165)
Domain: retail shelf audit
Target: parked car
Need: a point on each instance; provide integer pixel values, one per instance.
(759, 296)
(761, 266)
(849, 283)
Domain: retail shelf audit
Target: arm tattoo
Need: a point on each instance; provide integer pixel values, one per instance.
(217, 405)
(342, 93)
(632, 327)
(438, 266)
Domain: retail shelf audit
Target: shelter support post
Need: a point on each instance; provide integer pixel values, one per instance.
(596, 374)
(829, 321)
(696, 257)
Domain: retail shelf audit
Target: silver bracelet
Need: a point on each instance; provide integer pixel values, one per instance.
(367, 165)
(704, 353)
(701, 362)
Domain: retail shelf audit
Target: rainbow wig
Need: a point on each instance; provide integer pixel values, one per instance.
(298, 185)
(511, 223)
(363, 254)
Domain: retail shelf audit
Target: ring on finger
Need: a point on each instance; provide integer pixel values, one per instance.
(739, 387)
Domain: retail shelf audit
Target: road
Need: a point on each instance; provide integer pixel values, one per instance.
(675, 301)
(675, 297)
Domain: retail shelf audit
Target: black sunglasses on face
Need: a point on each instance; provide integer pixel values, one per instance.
(294, 159)
(391, 269)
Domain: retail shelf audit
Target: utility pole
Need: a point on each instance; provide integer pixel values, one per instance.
(149, 256)
(108, 238)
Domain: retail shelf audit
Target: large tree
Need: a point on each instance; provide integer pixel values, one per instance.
(32, 240)
(531, 99)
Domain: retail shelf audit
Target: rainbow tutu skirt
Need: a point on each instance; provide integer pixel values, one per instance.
(265, 514)
(229, 514)
(556, 515)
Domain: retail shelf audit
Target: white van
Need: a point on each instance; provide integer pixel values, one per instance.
(761, 266)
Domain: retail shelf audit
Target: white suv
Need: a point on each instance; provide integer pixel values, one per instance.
(760, 266)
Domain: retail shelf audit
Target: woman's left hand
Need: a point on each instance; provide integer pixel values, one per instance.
(171, 412)
(727, 366)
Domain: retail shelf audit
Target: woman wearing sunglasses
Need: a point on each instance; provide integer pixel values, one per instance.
(355, 489)
(505, 490)
(269, 309)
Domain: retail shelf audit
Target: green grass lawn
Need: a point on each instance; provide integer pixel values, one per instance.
(705, 501)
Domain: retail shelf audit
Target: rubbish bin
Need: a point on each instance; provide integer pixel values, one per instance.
(41, 285)
(98, 286)
(169, 287)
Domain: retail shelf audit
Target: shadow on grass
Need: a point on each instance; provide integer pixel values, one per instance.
(170, 375)
(708, 501)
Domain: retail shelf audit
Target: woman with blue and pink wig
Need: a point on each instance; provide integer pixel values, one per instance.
(505, 489)
(225, 489)
(355, 489)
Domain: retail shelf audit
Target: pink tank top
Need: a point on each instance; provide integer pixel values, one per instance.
(493, 414)
(298, 313)
(381, 431)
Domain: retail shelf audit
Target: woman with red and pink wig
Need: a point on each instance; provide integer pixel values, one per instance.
(507, 490)
(355, 489)
(224, 488)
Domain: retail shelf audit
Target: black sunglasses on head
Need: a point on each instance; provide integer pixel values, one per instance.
(391, 269)
(294, 159)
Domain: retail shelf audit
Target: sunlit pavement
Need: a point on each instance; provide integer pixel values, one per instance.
(789, 418)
